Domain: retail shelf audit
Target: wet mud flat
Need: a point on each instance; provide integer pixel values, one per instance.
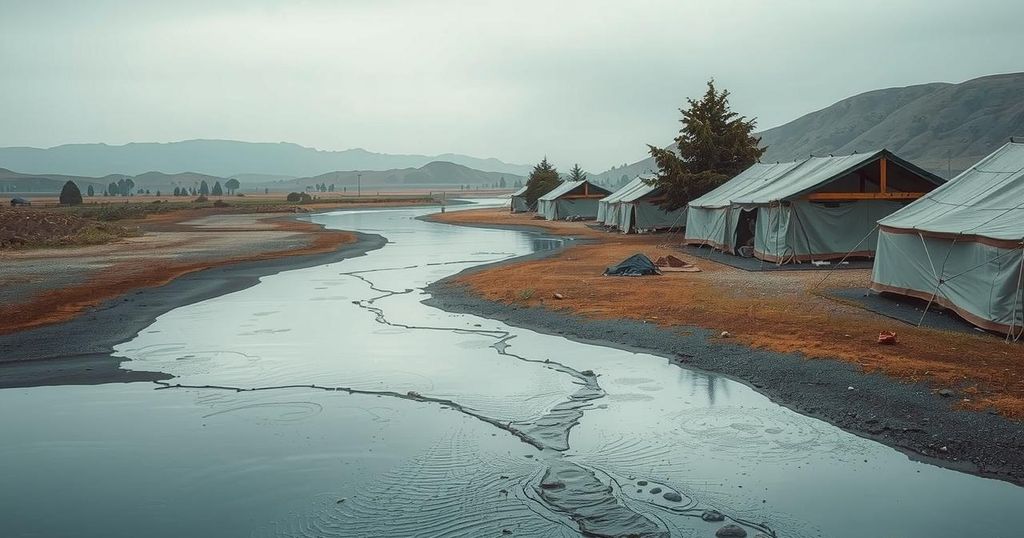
(78, 351)
(906, 416)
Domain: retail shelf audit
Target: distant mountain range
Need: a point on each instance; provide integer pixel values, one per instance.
(222, 158)
(942, 127)
(433, 174)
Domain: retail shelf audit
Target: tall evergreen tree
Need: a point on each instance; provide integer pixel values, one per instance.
(713, 145)
(204, 189)
(543, 178)
(70, 194)
(576, 173)
(217, 190)
(90, 191)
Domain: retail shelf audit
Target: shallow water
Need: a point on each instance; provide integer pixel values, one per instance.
(330, 402)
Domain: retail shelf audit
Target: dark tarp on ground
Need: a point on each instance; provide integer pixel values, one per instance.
(635, 265)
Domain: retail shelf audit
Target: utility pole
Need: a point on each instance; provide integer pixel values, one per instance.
(359, 184)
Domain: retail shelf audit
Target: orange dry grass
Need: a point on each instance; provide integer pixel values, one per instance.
(62, 304)
(776, 311)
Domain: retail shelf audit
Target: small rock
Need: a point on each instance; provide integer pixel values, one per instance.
(673, 497)
(559, 296)
(946, 393)
(731, 531)
(943, 449)
(506, 531)
(341, 500)
(725, 334)
(655, 491)
(642, 483)
(712, 515)
(413, 394)
(850, 388)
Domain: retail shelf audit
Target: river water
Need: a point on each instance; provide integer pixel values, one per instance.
(329, 401)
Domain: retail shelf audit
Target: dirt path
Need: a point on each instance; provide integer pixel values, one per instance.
(777, 311)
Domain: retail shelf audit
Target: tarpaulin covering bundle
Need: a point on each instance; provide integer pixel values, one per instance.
(777, 208)
(635, 265)
(519, 204)
(571, 199)
(962, 245)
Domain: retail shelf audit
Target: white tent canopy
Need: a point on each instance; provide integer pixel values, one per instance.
(817, 208)
(640, 211)
(571, 199)
(607, 207)
(518, 201)
(962, 245)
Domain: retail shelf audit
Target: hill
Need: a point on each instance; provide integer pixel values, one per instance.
(437, 173)
(222, 158)
(944, 128)
(11, 182)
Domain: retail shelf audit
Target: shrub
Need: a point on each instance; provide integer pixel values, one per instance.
(221, 203)
(70, 195)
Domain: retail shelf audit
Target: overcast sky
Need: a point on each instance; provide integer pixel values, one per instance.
(582, 81)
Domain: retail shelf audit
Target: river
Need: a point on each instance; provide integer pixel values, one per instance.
(329, 401)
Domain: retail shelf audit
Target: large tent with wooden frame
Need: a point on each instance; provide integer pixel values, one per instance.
(961, 246)
(819, 208)
(640, 211)
(571, 200)
(518, 201)
(608, 207)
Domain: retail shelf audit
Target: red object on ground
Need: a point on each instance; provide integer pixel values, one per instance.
(887, 338)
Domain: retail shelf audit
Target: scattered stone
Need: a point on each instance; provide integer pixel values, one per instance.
(413, 394)
(712, 515)
(504, 531)
(642, 483)
(946, 393)
(943, 449)
(655, 491)
(725, 334)
(731, 531)
(673, 497)
(559, 296)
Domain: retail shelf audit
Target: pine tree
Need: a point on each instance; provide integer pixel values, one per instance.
(713, 145)
(217, 190)
(89, 190)
(204, 189)
(576, 173)
(543, 178)
(70, 194)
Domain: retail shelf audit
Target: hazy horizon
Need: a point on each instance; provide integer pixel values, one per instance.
(578, 82)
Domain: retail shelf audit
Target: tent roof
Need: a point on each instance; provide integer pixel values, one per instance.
(986, 200)
(765, 183)
(748, 180)
(626, 189)
(520, 192)
(568, 186)
(639, 192)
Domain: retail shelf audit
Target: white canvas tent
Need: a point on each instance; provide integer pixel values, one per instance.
(640, 211)
(518, 203)
(816, 209)
(962, 245)
(608, 207)
(571, 199)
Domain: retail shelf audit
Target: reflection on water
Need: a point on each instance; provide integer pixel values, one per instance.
(330, 402)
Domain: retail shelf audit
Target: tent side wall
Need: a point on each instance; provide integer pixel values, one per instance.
(981, 282)
(572, 207)
(708, 226)
(642, 215)
(519, 204)
(803, 231)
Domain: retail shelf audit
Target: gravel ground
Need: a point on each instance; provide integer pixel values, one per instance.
(906, 416)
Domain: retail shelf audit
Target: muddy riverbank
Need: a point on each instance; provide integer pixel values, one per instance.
(908, 416)
(78, 351)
